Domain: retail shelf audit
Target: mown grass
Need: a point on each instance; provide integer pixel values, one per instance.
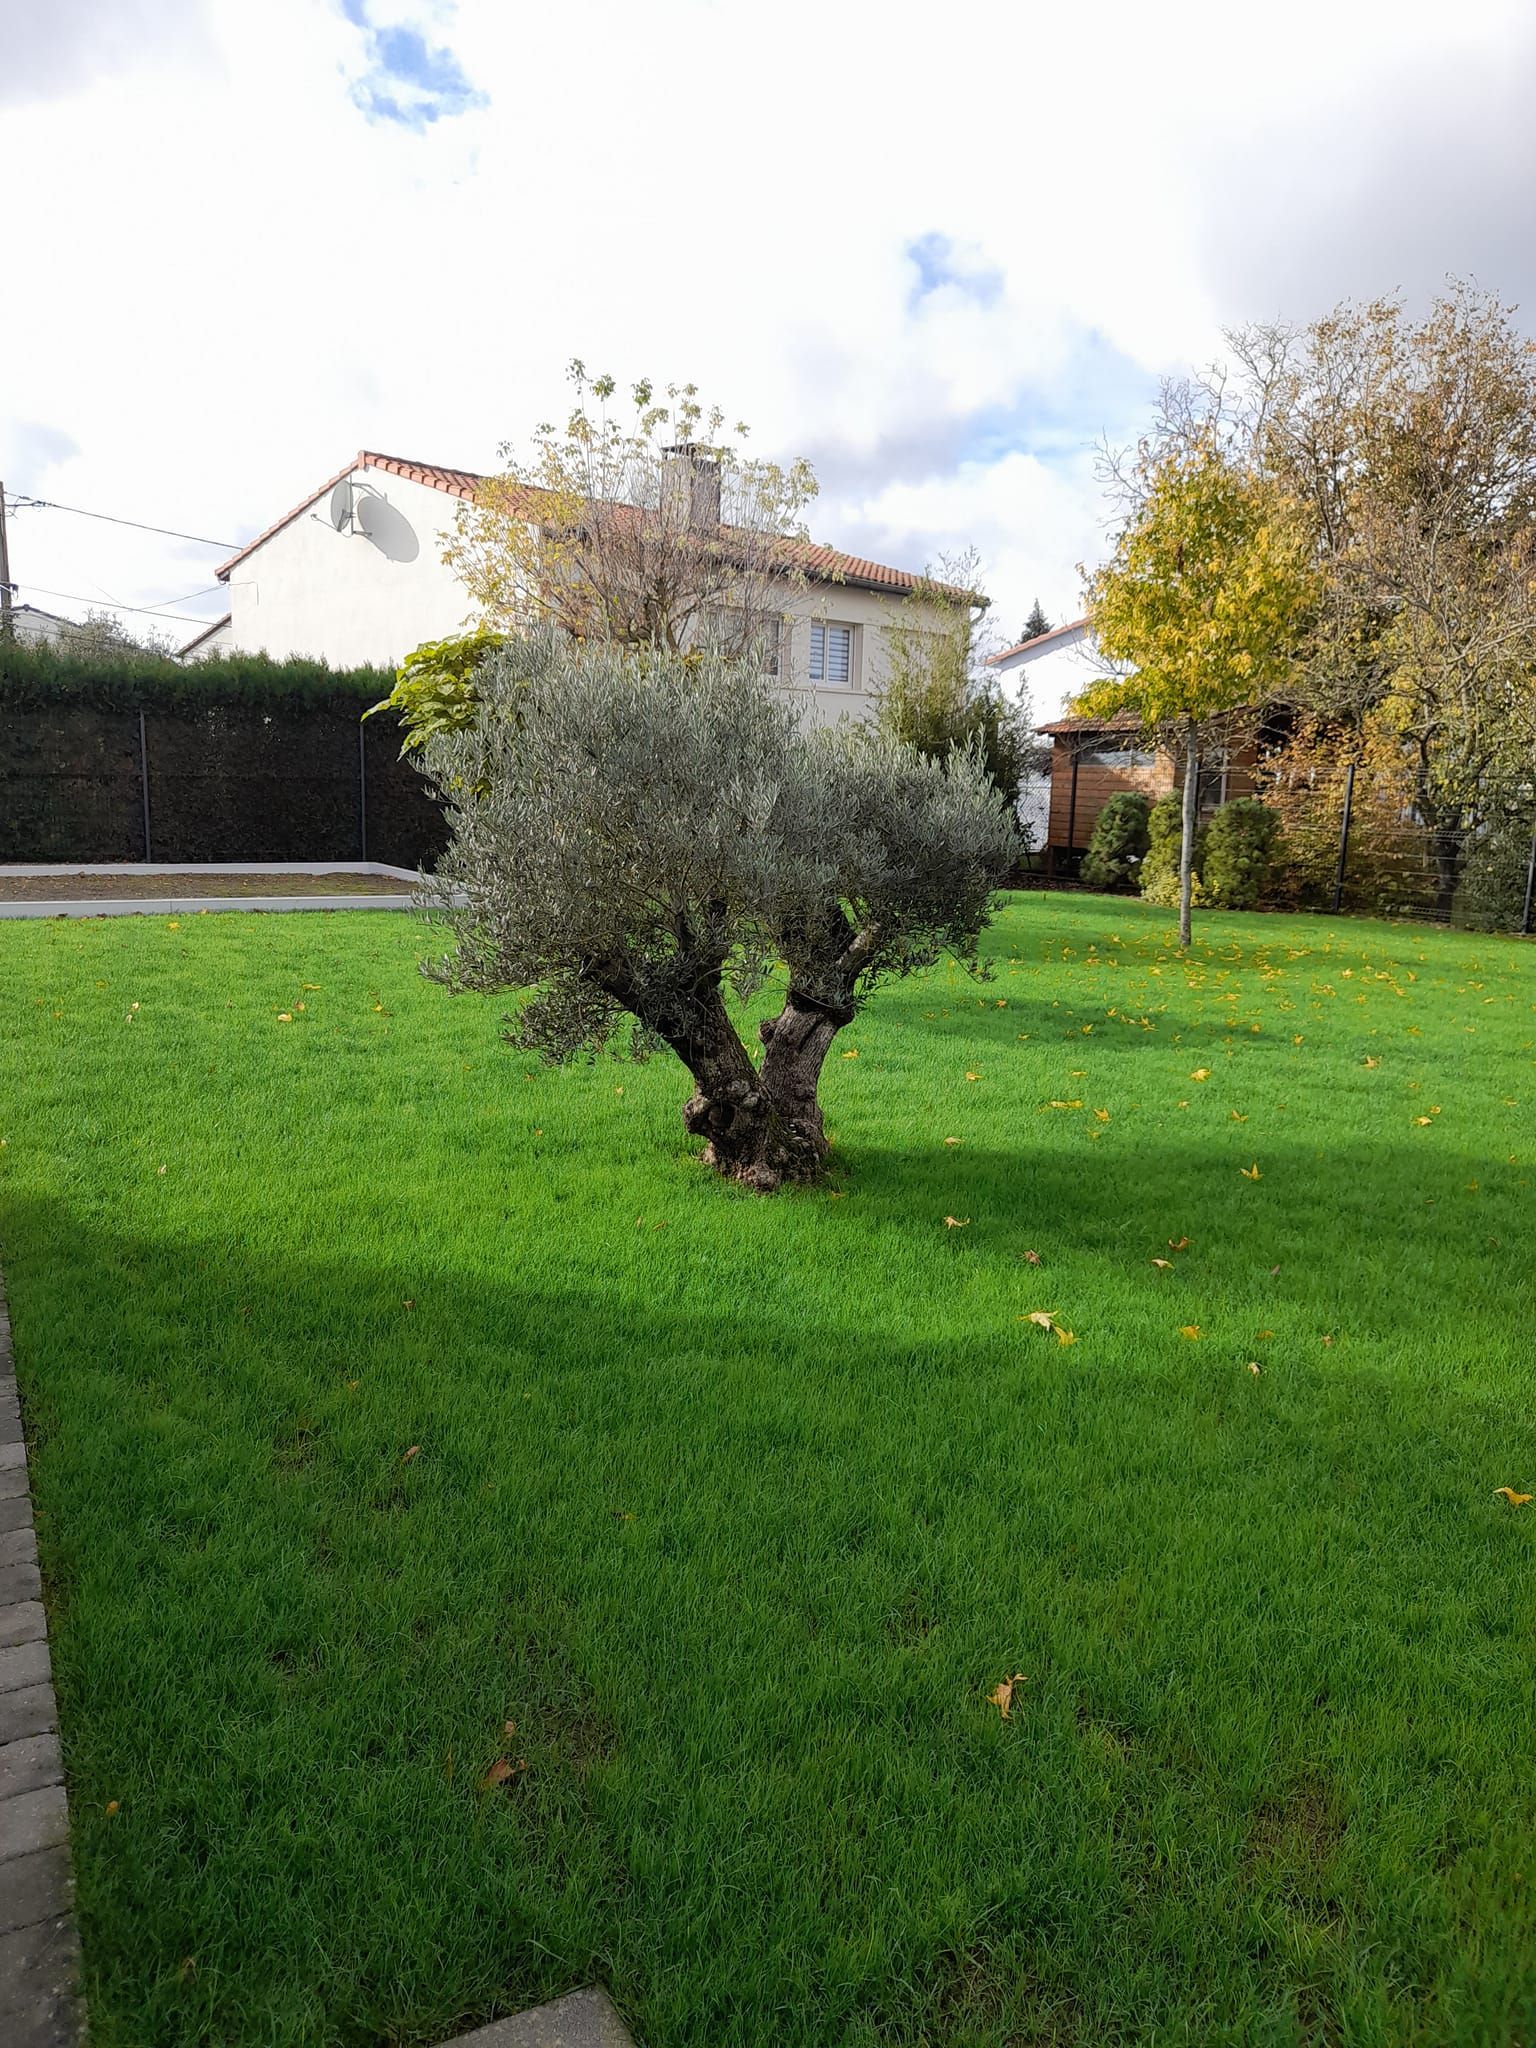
(388, 1390)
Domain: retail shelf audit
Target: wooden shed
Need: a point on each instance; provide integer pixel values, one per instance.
(1093, 759)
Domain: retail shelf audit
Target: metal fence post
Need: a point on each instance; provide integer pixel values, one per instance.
(362, 794)
(1530, 890)
(144, 783)
(1349, 805)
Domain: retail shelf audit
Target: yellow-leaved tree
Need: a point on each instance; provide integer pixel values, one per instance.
(1205, 601)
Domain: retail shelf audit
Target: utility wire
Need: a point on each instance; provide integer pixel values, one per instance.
(150, 610)
(21, 502)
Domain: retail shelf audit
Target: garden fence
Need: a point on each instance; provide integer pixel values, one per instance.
(1358, 841)
(258, 761)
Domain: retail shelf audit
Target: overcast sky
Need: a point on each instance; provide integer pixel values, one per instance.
(941, 251)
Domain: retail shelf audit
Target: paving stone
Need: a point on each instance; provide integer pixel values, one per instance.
(40, 2006)
(34, 1820)
(19, 1582)
(27, 1711)
(46, 2022)
(586, 2019)
(15, 1512)
(37, 1963)
(18, 1546)
(24, 1664)
(35, 1887)
(31, 1761)
(22, 1621)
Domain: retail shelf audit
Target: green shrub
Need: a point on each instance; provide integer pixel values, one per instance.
(1119, 842)
(1160, 869)
(33, 678)
(1240, 846)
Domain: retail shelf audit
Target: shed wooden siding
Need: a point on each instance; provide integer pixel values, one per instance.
(1096, 784)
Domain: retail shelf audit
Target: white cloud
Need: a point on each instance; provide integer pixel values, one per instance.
(237, 277)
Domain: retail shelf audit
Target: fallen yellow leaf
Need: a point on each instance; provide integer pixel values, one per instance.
(852, 1053)
(1045, 1317)
(1201, 1074)
(1189, 1329)
(1102, 1115)
(1238, 1117)
(1001, 1695)
(284, 1018)
(956, 1222)
(1516, 1500)
(1254, 1367)
(1178, 1244)
(973, 1077)
(1250, 1172)
(413, 1452)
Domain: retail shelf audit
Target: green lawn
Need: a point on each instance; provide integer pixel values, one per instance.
(387, 1390)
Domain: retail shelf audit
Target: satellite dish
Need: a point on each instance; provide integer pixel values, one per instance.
(341, 506)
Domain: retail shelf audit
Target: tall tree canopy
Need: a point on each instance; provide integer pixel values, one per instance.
(1412, 446)
(1207, 597)
(634, 835)
(1037, 623)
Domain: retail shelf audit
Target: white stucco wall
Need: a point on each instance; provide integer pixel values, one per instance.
(1053, 674)
(353, 600)
(219, 641)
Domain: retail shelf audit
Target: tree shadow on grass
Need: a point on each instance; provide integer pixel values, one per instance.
(723, 1573)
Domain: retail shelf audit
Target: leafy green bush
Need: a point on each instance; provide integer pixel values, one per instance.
(1160, 868)
(1240, 845)
(1119, 842)
(435, 689)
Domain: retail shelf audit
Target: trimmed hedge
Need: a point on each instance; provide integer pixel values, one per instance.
(248, 759)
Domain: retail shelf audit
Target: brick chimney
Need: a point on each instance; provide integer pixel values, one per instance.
(690, 486)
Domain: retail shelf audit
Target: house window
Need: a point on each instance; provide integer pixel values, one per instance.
(832, 655)
(737, 632)
(1117, 757)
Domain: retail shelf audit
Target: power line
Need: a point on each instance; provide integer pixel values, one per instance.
(22, 502)
(149, 610)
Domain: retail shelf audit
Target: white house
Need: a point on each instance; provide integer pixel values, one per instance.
(354, 574)
(29, 623)
(1052, 668)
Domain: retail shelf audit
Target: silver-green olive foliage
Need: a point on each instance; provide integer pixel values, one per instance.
(649, 830)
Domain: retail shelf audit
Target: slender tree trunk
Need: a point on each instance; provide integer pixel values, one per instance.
(1187, 841)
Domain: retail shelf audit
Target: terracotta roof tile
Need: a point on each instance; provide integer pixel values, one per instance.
(809, 558)
(1117, 721)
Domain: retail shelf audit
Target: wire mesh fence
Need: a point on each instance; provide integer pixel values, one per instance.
(1362, 838)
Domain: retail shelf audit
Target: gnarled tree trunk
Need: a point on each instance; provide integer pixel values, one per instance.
(763, 1125)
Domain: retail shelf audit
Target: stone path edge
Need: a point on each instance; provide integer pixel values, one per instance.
(179, 906)
(582, 2019)
(39, 1946)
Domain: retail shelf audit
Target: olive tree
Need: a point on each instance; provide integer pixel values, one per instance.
(636, 834)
